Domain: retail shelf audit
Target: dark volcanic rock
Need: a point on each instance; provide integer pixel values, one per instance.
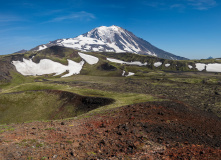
(107, 67)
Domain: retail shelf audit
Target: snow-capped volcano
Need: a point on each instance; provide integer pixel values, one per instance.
(105, 34)
(110, 39)
(117, 38)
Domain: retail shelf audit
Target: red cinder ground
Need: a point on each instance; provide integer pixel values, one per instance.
(157, 130)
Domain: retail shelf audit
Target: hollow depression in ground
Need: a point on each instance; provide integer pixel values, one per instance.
(46, 105)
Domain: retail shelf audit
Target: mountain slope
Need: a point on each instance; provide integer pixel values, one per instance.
(111, 39)
(63, 62)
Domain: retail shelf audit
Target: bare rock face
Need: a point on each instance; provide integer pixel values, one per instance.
(6, 66)
(107, 67)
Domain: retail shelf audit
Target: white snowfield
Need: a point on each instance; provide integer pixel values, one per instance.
(123, 73)
(78, 42)
(211, 67)
(190, 67)
(129, 63)
(107, 35)
(200, 66)
(42, 47)
(157, 64)
(167, 65)
(88, 58)
(47, 66)
(129, 74)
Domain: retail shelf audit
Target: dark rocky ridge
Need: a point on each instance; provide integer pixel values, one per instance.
(6, 66)
(21, 51)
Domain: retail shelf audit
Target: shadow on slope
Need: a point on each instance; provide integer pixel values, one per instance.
(46, 105)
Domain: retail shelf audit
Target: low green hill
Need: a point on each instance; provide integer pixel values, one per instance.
(27, 98)
(103, 67)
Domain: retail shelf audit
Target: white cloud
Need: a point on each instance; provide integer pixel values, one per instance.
(202, 4)
(179, 6)
(182, 4)
(9, 18)
(12, 29)
(49, 12)
(154, 4)
(78, 15)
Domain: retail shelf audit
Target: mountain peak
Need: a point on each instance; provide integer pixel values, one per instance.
(113, 27)
(110, 39)
(104, 33)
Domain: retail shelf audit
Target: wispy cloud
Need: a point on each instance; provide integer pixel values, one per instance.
(28, 4)
(182, 4)
(49, 12)
(75, 16)
(112, 6)
(178, 6)
(5, 30)
(202, 4)
(154, 4)
(9, 18)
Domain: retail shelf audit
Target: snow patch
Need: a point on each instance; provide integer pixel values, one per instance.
(78, 42)
(157, 64)
(47, 66)
(123, 73)
(167, 65)
(130, 74)
(129, 63)
(88, 58)
(42, 47)
(115, 47)
(200, 66)
(213, 67)
(115, 60)
(95, 49)
(190, 67)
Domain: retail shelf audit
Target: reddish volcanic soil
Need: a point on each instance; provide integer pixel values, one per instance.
(158, 130)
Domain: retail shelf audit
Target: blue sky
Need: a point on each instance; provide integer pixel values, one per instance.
(188, 28)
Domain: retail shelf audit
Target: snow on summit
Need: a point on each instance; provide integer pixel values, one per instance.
(110, 39)
(115, 37)
(105, 34)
